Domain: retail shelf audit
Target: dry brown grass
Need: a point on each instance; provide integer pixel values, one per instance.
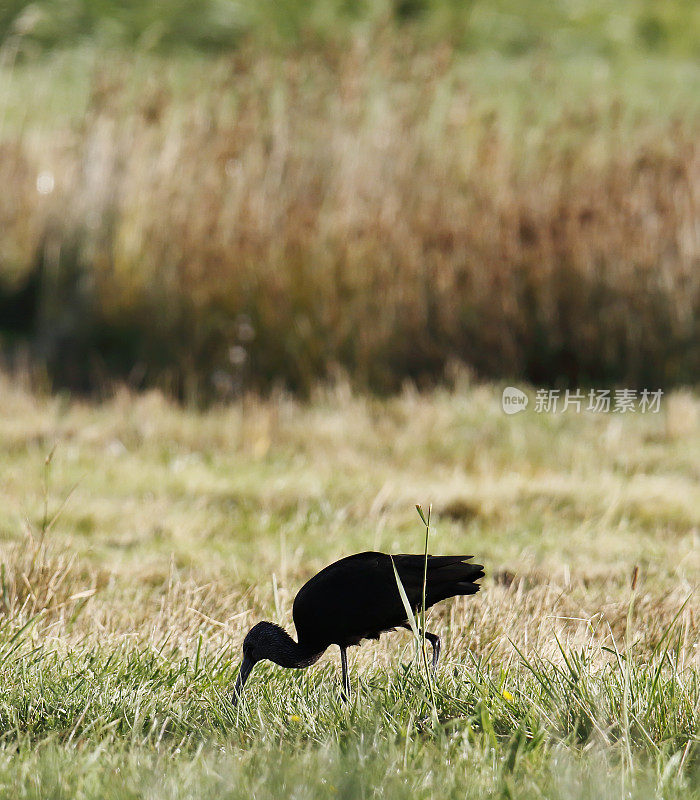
(179, 524)
(283, 219)
(72, 605)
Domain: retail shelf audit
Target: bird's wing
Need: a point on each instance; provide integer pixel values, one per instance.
(352, 599)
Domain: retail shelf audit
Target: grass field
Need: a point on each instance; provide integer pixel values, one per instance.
(141, 540)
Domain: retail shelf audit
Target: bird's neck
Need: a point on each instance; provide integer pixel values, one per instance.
(288, 653)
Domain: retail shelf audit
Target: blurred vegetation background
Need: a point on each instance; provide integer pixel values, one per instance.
(220, 196)
(504, 26)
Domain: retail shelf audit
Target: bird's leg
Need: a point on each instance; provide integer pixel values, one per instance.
(434, 640)
(345, 694)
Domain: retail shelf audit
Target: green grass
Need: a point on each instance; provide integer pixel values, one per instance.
(176, 530)
(157, 717)
(126, 721)
(501, 25)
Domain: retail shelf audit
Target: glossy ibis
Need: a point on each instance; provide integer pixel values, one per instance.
(353, 599)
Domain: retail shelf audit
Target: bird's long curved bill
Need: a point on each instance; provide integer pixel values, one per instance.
(243, 673)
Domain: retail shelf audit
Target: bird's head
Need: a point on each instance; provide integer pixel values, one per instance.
(261, 642)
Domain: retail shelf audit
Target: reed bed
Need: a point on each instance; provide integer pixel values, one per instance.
(240, 222)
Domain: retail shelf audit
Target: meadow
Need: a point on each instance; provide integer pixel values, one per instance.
(263, 270)
(140, 540)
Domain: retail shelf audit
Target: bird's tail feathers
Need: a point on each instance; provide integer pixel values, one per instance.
(447, 576)
(452, 578)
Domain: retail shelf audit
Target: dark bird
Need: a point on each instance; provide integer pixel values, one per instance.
(353, 599)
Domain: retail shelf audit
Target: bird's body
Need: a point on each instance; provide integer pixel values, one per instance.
(358, 598)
